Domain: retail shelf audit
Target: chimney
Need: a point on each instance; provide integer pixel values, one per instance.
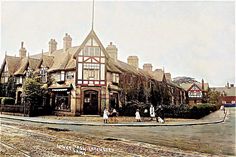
(22, 51)
(202, 84)
(112, 51)
(133, 60)
(67, 42)
(168, 76)
(147, 67)
(227, 85)
(52, 46)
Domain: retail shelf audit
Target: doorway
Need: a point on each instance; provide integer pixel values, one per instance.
(90, 102)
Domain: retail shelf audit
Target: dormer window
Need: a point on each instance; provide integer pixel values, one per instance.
(115, 78)
(29, 72)
(19, 80)
(43, 74)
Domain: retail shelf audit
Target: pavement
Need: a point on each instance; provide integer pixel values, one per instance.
(213, 118)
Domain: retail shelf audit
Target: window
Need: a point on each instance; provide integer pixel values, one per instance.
(19, 80)
(91, 51)
(115, 78)
(62, 76)
(5, 75)
(43, 74)
(62, 101)
(91, 71)
(70, 75)
(197, 94)
(29, 72)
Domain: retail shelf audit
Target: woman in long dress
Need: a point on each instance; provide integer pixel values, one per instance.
(105, 115)
(152, 112)
(137, 116)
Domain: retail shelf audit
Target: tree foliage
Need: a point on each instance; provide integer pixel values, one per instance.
(8, 89)
(213, 97)
(33, 90)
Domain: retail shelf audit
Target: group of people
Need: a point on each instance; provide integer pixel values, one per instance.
(157, 113)
(153, 113)
(113, 114)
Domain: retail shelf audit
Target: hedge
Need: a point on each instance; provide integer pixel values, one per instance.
(201, 110)
(173, 111)
(7, 101)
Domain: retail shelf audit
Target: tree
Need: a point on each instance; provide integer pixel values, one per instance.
(8, 89)
(33, 91)
(213, 96)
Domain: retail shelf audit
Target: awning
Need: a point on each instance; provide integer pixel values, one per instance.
(59, 89)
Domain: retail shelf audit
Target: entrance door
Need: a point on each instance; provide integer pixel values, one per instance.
(91, 102)
(114, 101)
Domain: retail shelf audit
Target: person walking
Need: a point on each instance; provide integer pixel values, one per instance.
(105, 115)
(114, 115)
(137, 116)
(152, 112)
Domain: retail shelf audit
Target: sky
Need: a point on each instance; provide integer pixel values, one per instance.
(186, 38)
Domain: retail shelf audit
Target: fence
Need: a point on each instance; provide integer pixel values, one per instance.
(27, 110)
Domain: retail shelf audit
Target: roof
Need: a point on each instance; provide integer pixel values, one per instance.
(63, 60)
(12, 64)
(229, 91)
(186, 86)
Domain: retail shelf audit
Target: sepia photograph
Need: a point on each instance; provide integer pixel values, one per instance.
(118, 78)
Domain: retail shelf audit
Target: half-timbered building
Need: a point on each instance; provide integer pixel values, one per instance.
(85, 78)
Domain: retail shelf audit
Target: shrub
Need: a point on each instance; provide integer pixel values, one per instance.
(130, 108)
(201, 110)
(7, 101)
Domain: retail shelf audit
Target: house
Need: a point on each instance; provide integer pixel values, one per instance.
(196, 92)
(85, 78)
(227, 94)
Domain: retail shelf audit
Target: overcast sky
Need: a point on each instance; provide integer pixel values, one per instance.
(195, 39)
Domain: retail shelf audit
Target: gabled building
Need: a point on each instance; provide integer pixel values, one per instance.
(85, 78)
(196, 92)
(227, 94)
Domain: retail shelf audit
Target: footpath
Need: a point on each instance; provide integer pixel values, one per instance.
(213, 118)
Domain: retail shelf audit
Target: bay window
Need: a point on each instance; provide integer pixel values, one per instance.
(91, 71)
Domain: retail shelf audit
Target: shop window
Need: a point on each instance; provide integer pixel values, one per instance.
(62, 101)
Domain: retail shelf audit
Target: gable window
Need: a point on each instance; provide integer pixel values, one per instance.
(43, 74)
(5, 75)
(92, 51)
(115, 78)
(91, 71)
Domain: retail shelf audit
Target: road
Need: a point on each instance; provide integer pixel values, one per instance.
(24, 138)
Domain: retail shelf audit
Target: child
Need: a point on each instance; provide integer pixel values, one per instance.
(137, 116)
(105, 115)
